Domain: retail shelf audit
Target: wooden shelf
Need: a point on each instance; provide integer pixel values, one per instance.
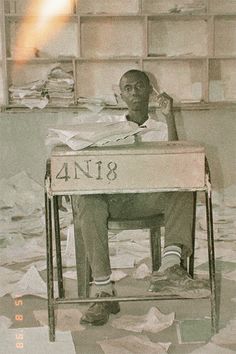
(107, 41)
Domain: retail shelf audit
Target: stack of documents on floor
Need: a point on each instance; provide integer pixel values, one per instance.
(30, 94)
(60, 87)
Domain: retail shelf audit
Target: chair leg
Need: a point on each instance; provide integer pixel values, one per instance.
(211, 257)
(155, 241)
(50, 289)
(61, 291)
(82, 264)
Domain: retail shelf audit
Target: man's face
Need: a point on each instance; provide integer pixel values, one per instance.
(135, 91)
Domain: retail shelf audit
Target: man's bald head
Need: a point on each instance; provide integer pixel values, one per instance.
(135, 73)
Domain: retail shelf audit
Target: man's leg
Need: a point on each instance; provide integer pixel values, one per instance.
(90, 217)
(179, 219)
(178, 210)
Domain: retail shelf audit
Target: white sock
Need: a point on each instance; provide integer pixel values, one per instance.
(104, 284)
(171, 256)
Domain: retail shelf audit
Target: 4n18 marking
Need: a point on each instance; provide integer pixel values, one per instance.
(98, 170)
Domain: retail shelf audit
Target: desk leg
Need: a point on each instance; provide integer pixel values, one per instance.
(61, 291)
(191, 258)
(211, 257)
(51, 313)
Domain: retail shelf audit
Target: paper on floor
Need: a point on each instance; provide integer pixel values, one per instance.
(230, 275)
(212, 348)
(226, 335)
(70, 274)
(141, 272)
(8, 278)
(31, 284)
(18, 254)
(154, 321)
(66, 319)
(5, 322)
(36, 341)
(117, 275)
(133, 345)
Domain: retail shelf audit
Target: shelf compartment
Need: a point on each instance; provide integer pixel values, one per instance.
(110, 36)
(21, 74)
(178, 37)
(100, 78)
(222, 80)
(23, 7)
(225, 36)
(222, 6)
(111, 6)
(36, 46)
(173, 6)
(182, 80)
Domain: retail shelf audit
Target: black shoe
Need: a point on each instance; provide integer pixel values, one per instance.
(98, 313)
(176, 280)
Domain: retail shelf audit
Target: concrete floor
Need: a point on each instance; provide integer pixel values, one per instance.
(190, 330)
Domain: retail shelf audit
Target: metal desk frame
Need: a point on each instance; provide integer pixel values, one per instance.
(51, 212)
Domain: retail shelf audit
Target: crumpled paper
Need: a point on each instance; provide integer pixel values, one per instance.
(154, 321)
(5, 322)
(8, 278)
(32, 284)
(226, 335)
(133, 345)
(80, 136)
(66, 319)
(141, 272)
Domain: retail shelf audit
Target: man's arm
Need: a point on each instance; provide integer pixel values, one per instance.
(166, 104)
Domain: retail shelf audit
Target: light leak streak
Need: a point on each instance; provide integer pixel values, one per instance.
(39, 26)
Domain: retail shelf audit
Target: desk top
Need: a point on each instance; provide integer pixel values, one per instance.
(144, 148)
(130, 168)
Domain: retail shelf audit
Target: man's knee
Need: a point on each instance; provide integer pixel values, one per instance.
(89, 204)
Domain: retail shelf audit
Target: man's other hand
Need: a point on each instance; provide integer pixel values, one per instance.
(166, 103)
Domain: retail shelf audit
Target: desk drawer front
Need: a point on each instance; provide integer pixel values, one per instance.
(127, 172)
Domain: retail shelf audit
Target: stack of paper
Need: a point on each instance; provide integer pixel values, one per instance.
(29, 94)
(60, 87)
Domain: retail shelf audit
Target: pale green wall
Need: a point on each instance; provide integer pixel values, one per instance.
(22, 140)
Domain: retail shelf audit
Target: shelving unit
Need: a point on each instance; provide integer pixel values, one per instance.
(190, 53)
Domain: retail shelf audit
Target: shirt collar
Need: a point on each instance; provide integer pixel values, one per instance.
(145, 124)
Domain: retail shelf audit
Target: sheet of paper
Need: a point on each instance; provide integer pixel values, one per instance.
(80, 136)
(226, 335)
(5, 323)
(212, 348)
(133, 345)
(141, 272)
(32, 284)
(154, 321)
(8, 278)
(66, 319)
(35, 340)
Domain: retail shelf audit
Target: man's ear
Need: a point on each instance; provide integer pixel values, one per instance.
(121, 95)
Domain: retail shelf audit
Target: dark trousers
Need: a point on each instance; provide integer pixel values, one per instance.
(92, 211)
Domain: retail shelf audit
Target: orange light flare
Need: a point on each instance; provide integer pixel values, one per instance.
(39, 26)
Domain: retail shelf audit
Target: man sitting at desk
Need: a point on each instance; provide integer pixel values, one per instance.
(92, 211)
